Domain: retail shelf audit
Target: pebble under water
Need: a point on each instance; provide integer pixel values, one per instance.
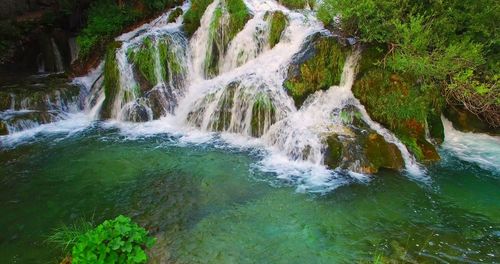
(209, 202)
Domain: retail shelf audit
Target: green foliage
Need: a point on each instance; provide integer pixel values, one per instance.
(435, 42)
(193, 16)
(66, 236)
(106, 19)
(278, 24)
(114, 241)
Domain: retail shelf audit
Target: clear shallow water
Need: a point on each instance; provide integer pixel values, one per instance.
(208, 203)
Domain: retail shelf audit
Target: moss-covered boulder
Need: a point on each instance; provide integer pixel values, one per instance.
(144, 61)
(382, 154)
(277, 24)
(466, 121)
(172, 17)
(359, 148)
(229, 18)
(333, 154)
(111, 80)
(193, 16)
(298, 4)
(263, 114)
(400, 103)
(317, 66)
(223, 114)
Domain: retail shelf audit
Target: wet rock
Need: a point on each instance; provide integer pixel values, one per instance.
(278, 23)
(174, 15)
(3, 128)
(263, 114)
(111, 80)
(466, 121)
(317, 66)
(138, 112)
(333, 155)
(358, 148)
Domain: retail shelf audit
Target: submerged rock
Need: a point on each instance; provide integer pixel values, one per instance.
(317, 66)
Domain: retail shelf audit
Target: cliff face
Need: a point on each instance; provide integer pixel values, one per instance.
(38, 35)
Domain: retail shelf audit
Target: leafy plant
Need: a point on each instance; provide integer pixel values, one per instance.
(114, 241)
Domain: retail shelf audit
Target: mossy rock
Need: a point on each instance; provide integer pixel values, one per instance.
(297, 4)
(193, 16)
(144, 61)
(172, 17)
(333, 154)
(111, 79)
(228, 20)
(435, 126)
(466, 121)
(318, 66)
(263, 115)
(223, 114)
(278, 23)
(401, 104)
(382, 154)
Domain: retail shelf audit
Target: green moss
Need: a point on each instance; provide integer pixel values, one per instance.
(174, 15)
(223, 30)
(263, 113)
(318, 72)
(111, 79)
(144, 60)
(224, 109)
(435, 125)
(333, 155)
(297, 4)
(193, 16)
(278, 24)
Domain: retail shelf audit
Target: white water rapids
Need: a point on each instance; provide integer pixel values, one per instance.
(250, 72)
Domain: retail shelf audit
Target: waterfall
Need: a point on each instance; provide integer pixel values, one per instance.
(57, 56)
(481, 149)
(163, 76)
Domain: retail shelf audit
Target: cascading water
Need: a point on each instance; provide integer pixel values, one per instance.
(481, 149)
(162, 75)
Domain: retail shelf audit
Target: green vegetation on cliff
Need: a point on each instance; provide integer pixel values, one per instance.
(107, 18)
(316, 69)
(449, 46)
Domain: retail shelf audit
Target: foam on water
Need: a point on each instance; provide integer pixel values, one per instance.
(481, 149)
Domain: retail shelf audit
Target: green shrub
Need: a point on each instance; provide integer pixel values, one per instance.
(106, 19)
(114, 241)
